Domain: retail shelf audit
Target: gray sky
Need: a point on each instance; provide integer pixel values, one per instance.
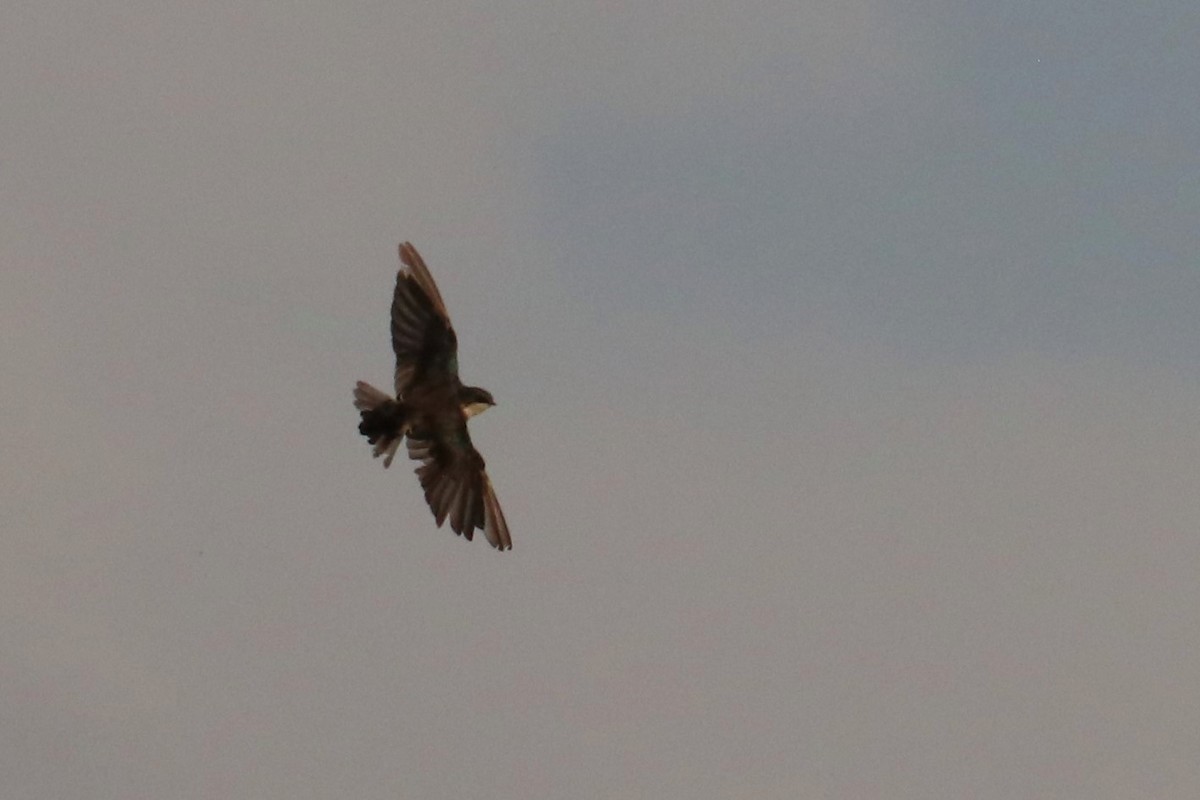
(847, 357)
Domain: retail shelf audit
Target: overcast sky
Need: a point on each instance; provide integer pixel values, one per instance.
(847, 359)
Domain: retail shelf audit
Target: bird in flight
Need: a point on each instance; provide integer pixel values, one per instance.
(431, 409)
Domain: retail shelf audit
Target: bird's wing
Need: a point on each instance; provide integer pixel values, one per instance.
(422, 337)
(455, 481)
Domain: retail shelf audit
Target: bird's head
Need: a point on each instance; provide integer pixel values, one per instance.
(475, 400)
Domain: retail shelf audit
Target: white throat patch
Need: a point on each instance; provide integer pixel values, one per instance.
(471, 409)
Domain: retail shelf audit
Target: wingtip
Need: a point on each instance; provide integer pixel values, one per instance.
(415, 269)
(495, 526)
(408, 254)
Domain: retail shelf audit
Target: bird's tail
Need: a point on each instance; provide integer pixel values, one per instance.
(383, 420)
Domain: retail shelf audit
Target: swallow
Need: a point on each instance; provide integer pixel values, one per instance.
(430, 410)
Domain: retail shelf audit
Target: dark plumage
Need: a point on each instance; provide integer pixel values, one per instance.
(431, 409)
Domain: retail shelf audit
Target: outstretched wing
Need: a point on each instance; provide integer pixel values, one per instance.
(422, 336)
(455, 481)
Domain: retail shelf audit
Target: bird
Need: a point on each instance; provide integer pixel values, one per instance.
(430, 410)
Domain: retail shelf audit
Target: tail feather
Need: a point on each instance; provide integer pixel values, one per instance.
(383, 421)
(367, 397)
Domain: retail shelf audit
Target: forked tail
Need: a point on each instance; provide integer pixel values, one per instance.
(383, 420)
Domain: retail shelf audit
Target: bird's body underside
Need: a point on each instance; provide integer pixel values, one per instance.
(430, 410)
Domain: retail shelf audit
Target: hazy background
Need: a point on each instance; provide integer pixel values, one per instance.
(848, 364)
